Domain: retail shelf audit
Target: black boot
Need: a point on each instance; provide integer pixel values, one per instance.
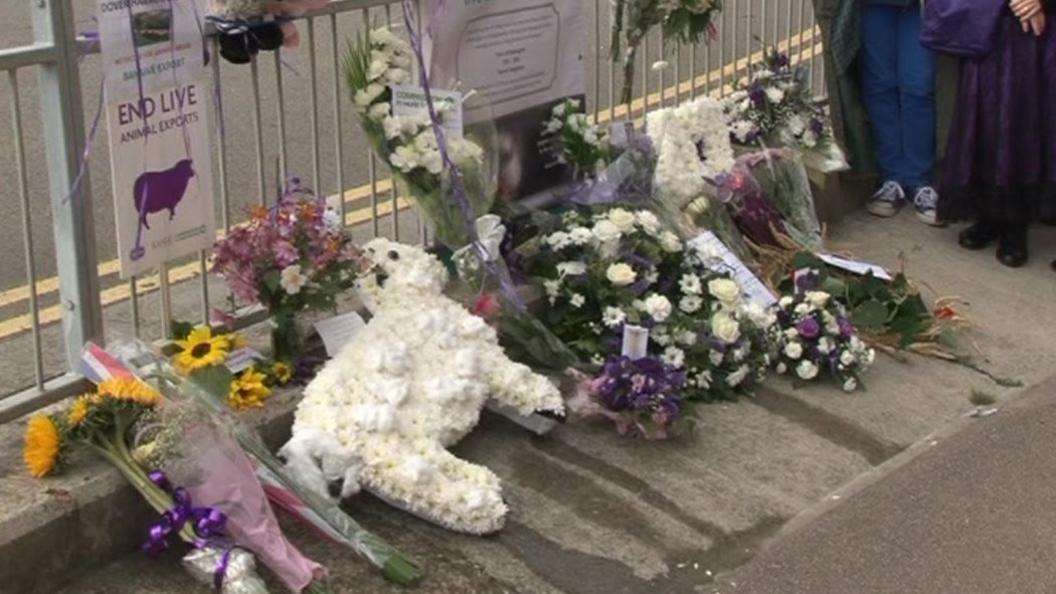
(1012, 245)
(981, 234)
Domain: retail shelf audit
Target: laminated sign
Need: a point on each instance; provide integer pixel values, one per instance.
(521, 59)
(158, 99)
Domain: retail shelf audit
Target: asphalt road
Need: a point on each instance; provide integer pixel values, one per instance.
(238, 126)
(972, 514)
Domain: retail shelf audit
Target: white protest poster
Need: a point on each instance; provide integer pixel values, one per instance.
(158, 98)
(521, 58)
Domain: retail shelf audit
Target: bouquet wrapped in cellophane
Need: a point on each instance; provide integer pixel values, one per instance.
(408, 144)
(186, 466)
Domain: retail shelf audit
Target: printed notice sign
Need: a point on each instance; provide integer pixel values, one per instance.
(158, 102)
(522, 58)
(754, 288)
(408, 100)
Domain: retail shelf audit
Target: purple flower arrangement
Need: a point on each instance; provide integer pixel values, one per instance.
(641, 396)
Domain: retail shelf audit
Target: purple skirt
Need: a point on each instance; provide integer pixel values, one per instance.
(1001, 160)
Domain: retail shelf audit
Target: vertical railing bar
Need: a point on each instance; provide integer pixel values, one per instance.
(693, 70)
(165, 289)
(254, 71)
(27, 227)
(813, 54)
(748, 36)
(394, 197)
(280, 97)
(645, 75)
(314, 93)
(136, 327)
(612, 77)
(707, 71)
(597, 61)
(763, 25)
(727, 19)
(338, 134)
(203, 269)
(788, 26)
(661, 58)
(221, 141)
(678, 72)
(799, 27)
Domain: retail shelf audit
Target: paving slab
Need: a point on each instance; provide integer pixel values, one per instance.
(971, 514)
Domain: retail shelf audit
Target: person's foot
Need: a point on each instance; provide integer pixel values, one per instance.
(926, 203)
(1012, 246)
(888, 200)
(981, 234)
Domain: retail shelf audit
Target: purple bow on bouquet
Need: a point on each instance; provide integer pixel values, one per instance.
(207, 522)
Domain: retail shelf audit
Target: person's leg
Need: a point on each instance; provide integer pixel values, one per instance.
(880, 93)
(916, 84)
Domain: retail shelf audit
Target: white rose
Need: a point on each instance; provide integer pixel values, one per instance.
(688, 338)
(775, 95)
(818, 298)
(623, 219)
(621, 274)
(670, 243)
(850, 384)
(847, 358)
(725, 328)
(658, 307)
(785, 302)
(782, 368)
(648, 222)
(807, 370)
(793, 350)
(606, 231)
(825, 345)
(725, 290)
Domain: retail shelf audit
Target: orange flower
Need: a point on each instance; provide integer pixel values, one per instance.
(42, 447)
(258, 213)
(129, 389)
(945, 313)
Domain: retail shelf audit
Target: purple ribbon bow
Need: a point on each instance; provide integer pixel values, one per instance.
(207, 522)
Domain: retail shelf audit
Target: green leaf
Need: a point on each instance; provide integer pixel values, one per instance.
(273, 280)
(216, 380)
(180, 329)
(870, 314)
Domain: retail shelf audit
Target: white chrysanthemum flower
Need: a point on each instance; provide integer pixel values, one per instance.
(687, 338)
(825, 345)
(690, 284)
(817, 298)
(716, 357)
(674, 356)
(613, 317)
(785, 302)
(775, 95)
(850, 384)
(793, 350)
(690, 304)
(781, 368)
(571, 268)
(580, 235)
(558, 240)
(577, 300)
(737, 377)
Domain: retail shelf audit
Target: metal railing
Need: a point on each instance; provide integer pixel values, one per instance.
(284, 113)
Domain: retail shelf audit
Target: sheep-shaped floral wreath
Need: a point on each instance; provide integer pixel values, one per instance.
(381, 414)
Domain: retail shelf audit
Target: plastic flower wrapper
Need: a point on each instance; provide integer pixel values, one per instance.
(781, 178)
(408, 144)
(208, 393)
(570, 139)
(775, 106)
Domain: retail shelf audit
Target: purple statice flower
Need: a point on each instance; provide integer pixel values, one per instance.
(817, 126)
(757, 94)
(809, 328)
(846, 327)
(806, 280)
(643, 396)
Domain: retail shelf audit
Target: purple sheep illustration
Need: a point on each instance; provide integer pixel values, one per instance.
(155, 191)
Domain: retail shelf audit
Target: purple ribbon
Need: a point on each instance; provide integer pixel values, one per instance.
(207, 522)
(458, 188)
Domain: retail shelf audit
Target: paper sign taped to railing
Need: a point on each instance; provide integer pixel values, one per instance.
(856, 266)
(158, 100)
(756, 291)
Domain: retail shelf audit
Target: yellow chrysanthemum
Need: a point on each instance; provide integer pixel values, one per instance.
(248, 391)
(43, 445)
(129, 389)
(79, 409)
(283, 372)
(201, 349)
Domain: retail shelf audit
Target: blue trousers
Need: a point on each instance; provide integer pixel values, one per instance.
(898, 86)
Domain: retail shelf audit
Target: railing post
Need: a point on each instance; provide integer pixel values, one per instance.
(62, 117)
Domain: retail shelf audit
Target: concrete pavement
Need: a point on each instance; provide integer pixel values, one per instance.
(971, 514)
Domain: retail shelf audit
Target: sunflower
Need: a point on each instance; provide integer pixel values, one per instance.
(129, 389)
(43, 446)
(80, 408)
(201, 349)
(248, 391)
(282, 372)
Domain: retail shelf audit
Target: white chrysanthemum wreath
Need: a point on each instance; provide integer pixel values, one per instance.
(381, 414)
(692, 143)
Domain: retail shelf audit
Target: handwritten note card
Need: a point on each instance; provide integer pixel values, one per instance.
(338, 331)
